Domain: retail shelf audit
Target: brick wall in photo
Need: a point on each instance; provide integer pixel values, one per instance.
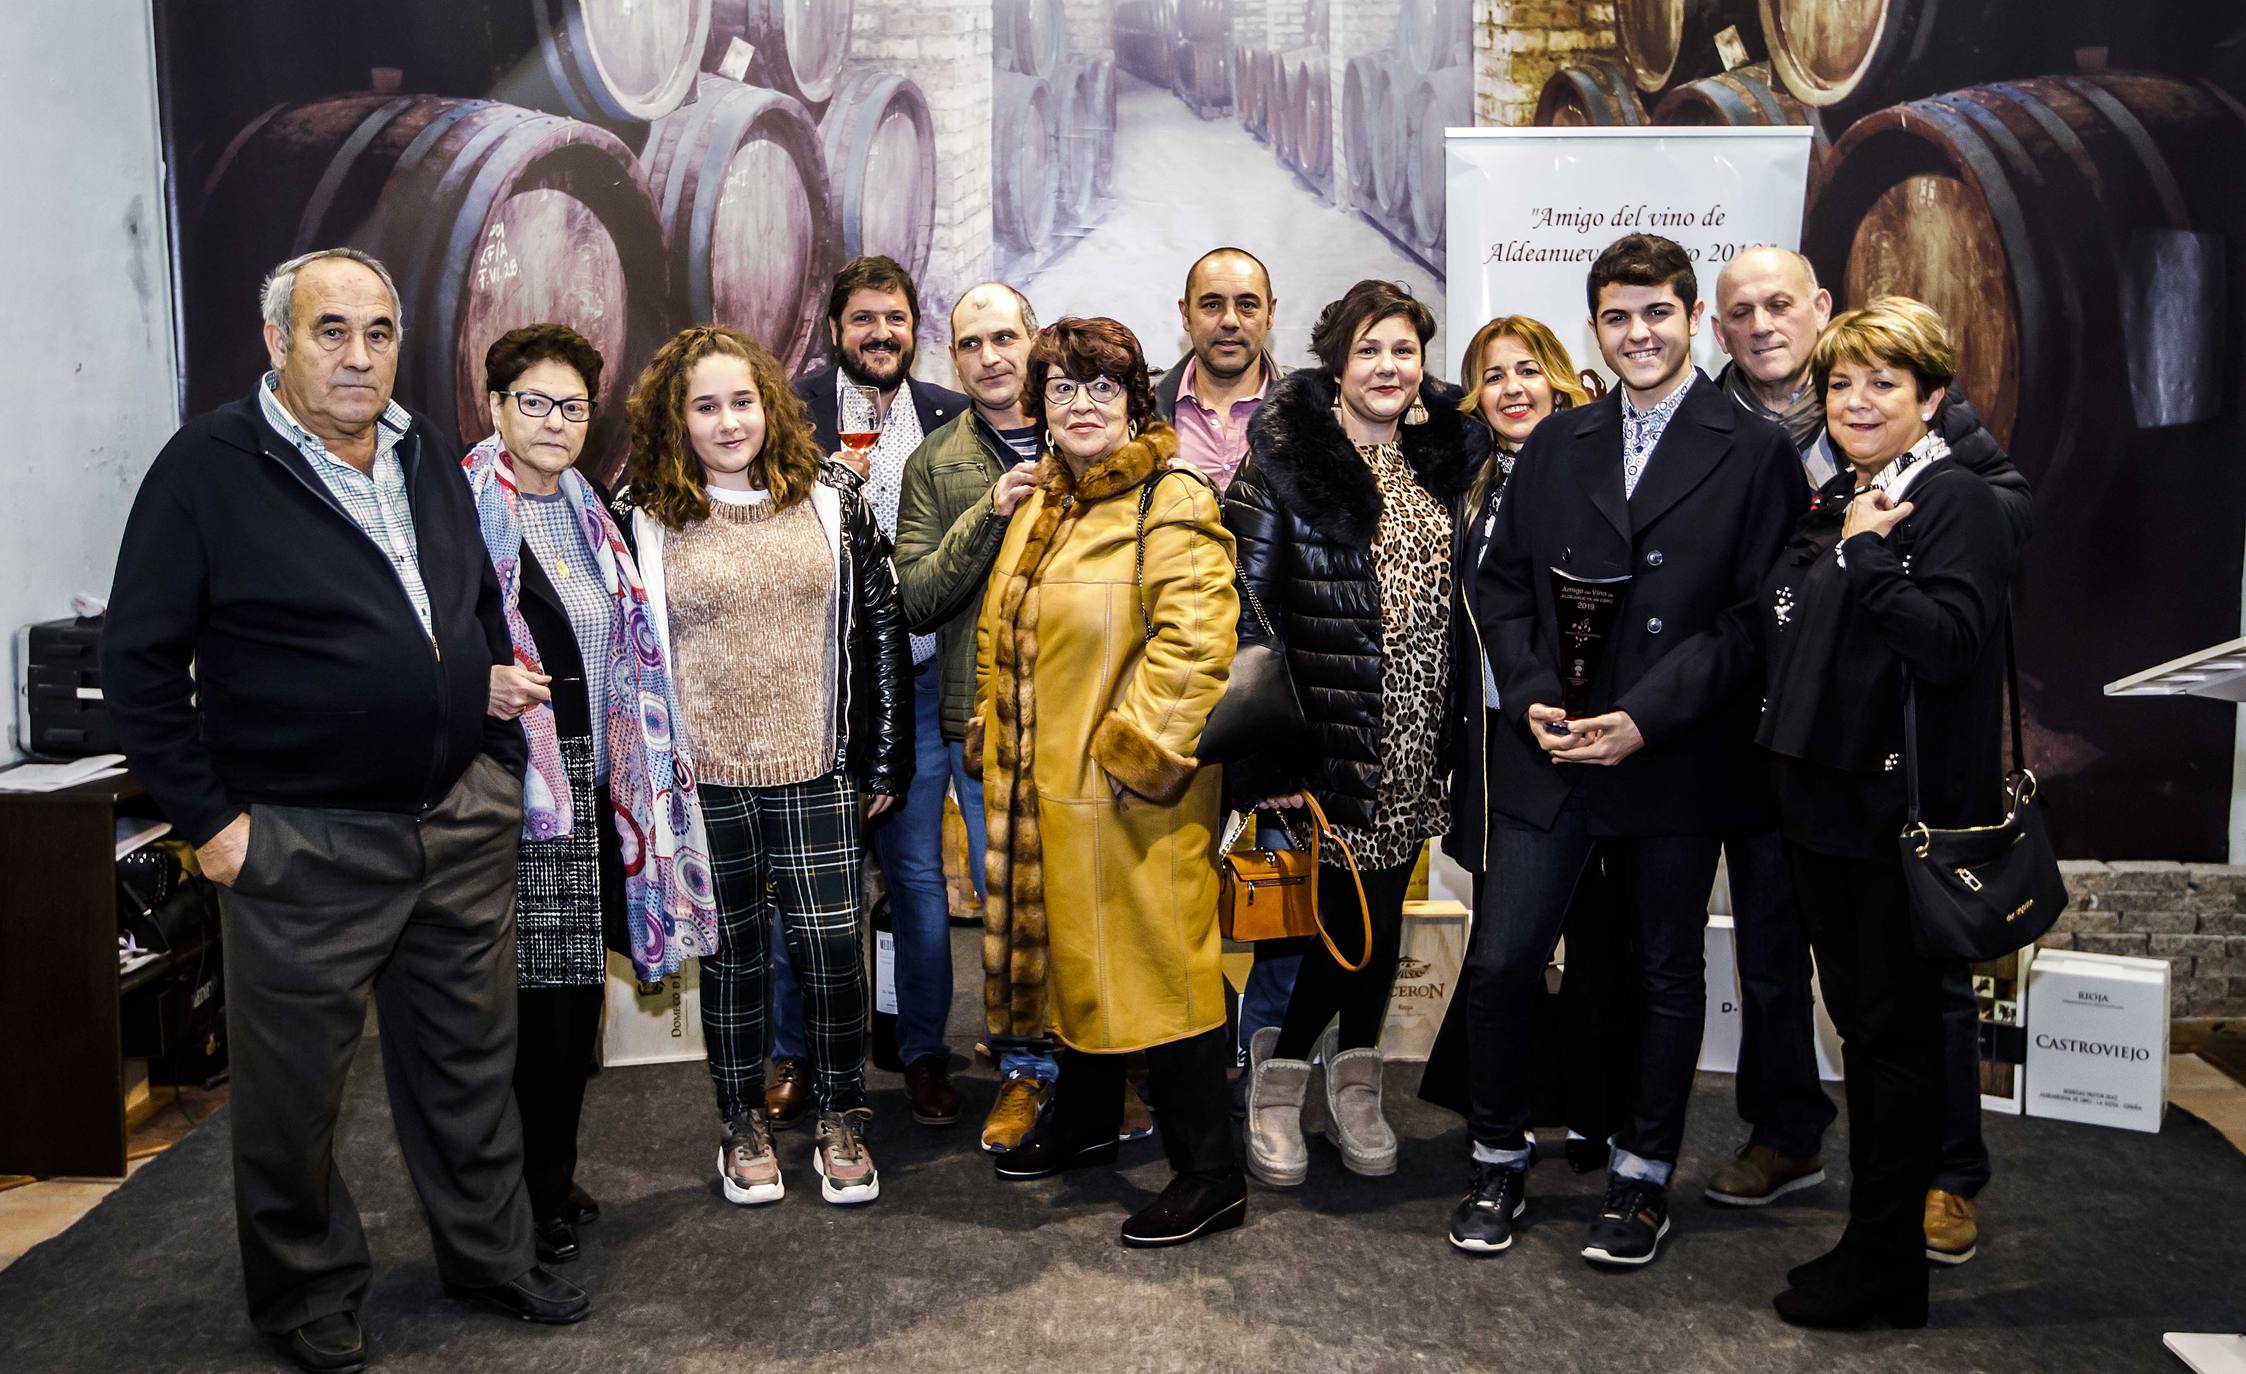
(1518, 44)
(945, 46)
(2192, 915)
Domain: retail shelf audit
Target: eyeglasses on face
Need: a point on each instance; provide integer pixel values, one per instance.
(537, 405)
(1060, 391)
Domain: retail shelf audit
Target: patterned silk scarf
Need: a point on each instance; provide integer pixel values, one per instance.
(670, 911)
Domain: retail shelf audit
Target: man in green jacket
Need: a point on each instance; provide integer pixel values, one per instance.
(958, 490)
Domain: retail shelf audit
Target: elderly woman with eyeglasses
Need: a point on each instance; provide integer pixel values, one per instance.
(607, 858)
(1106, 637)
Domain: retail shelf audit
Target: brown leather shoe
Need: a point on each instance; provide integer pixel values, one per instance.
(1015, 1111)
(1758, 1176)
(787, 1092)
(928, 1088)
(1953, 1230)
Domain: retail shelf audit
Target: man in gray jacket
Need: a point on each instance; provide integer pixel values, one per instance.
(958, 490)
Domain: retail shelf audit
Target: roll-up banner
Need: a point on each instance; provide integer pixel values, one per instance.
(1529, 209)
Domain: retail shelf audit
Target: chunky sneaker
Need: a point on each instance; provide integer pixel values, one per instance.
(844, 1165)
(1953, 1231)
(1629, 1228)
(1758, 1176)
(1483, 1221)
(746, 1166)
(1015, 1111)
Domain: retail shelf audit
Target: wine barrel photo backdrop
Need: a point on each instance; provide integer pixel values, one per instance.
(2060, 178)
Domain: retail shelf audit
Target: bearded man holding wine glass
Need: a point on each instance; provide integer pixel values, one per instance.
(873, 316)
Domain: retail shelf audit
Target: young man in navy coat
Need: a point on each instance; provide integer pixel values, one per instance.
(1669, 483)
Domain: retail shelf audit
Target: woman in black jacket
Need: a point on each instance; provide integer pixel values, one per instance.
(1895, 579)
(1345, 513)
(771, 595)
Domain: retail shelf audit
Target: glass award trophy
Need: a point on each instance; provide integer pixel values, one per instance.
(1587, 610)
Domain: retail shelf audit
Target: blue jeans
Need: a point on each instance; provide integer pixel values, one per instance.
(969, 792)
(1263, 1002)
(908, 842)
(1271, 980)
(1664, 882)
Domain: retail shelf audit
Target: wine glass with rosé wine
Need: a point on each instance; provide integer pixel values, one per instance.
(858, 428)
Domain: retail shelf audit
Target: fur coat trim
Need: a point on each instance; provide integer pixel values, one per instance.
(1016, 947)
(1302, 457)
(1139, 761)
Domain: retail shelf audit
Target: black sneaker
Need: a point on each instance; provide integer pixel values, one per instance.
(1628, 1230)
(1483, 1222)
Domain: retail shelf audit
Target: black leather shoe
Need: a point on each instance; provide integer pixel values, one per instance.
(1820, 1270)
(581, 1208)
(533, 1295)
(1853, 1295)
(557, 1241)
(330, 1345)
(1193, 1206)
(1038, 1157)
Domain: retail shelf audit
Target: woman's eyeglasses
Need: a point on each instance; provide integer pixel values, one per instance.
(1060, 391)
(537, 405)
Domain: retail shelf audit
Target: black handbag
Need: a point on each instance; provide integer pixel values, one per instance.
(1981, 891)
(1259, 709)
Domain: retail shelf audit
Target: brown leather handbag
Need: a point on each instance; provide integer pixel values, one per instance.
(1272, 894)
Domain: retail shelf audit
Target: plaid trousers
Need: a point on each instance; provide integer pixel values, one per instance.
(804, 838)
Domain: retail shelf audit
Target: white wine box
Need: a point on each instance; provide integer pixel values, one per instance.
(2098, 1039)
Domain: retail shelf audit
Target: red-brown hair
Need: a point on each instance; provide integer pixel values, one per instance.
(1085, 349)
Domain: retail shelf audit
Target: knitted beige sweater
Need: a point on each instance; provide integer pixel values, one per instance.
(752, 607)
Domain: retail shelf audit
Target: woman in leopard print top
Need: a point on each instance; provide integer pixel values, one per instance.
(1344, 514)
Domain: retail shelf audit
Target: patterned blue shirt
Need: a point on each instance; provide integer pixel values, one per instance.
(376, 502)
(1641, 432)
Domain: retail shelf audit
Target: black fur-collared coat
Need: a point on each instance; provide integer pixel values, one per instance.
(1303, 509)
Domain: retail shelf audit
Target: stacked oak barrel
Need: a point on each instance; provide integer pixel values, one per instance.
(1052, 132)
(639, 165)
(1395, 104)
(1285, 98)
(2081, 226)
(1184, 46)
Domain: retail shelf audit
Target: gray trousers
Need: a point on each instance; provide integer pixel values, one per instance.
(418, 911)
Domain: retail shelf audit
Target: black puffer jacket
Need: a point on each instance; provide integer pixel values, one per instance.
(1976, 450)
(1303, 508)
(873, 697)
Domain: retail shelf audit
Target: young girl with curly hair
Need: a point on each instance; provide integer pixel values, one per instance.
(771, 589)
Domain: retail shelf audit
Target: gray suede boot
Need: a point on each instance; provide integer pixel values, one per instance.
(1277, 1153)
(1353, 1117)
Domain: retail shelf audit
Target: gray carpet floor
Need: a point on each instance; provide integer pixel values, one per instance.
(2094, 1242)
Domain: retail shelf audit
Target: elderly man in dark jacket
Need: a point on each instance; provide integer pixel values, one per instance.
(299, 653)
